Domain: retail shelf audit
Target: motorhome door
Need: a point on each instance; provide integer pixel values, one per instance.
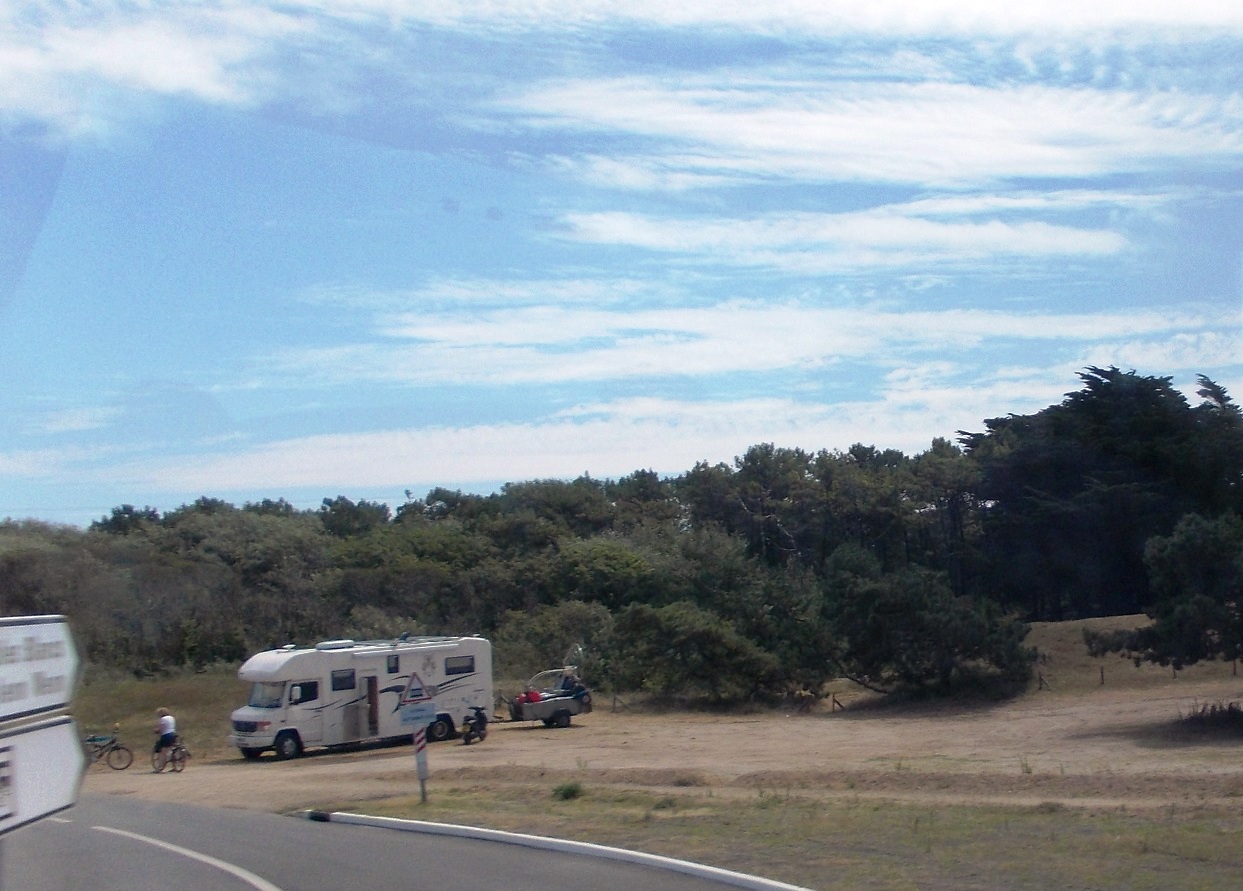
(306, 710)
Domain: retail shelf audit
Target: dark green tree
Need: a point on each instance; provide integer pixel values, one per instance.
(343, 518)
(907, 631)
(1216, 465)
(1075, 491)
(681, 650)
(642, 498)
(944, 517)
(126, 519)
(1197, 614)
(551, 636)
(579, 507)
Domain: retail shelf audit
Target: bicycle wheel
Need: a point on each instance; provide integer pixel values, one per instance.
(119, 757)
(158, 760)
(177, 759)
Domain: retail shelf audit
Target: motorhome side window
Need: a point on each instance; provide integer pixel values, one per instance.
(343, 679)
(459, 664)
(303, 691)
(394, 665)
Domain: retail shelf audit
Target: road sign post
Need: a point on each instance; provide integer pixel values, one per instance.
(418, 709)
(420, 761)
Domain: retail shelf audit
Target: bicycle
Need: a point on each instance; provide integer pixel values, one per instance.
(176, 757)
(110, 749)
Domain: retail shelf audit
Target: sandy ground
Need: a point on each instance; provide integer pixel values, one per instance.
(1105, 749)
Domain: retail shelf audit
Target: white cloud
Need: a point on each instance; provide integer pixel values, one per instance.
(603, 440)
(471, 294)
(817, 17)
(79, 65)
(76, 67)
(549, 344)
(1194, 351)
(822, 130)
(74, 420)
(884, 237)
(50, 463)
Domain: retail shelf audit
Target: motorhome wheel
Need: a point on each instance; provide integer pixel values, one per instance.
(287, 745)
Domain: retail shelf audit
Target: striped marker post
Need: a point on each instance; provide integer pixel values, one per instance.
(420, 761)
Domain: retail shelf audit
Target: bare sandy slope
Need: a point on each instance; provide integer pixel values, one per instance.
(1106, 748)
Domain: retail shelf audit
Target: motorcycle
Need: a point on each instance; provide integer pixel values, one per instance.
(475, 726)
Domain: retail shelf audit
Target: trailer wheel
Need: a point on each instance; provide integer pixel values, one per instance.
(440, 729)
(561, 719)
(287, 745)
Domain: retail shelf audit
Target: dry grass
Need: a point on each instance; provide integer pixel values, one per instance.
(1120, 794)
(201, 703)
(859, 843)
(1067, 668)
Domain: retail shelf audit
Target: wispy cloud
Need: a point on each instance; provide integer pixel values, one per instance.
(822, 243)
(607, 439)
(801, 17)
(551, 343)
(76, 420)
(936, 134)
(844, 203)
(79, 67)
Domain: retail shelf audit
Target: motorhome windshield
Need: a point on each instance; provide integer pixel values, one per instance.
(266, 694)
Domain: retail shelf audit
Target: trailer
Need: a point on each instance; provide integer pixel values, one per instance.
(552, 696)
(341, 692)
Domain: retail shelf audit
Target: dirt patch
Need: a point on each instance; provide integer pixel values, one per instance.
(1125, 748)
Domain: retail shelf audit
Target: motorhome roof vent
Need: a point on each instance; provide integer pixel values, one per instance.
(334, 645)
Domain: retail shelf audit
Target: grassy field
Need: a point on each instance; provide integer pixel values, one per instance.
(201, 703)
(795, 834)
(865, 844)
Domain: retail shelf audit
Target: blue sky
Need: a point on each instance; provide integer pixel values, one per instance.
(309, 249)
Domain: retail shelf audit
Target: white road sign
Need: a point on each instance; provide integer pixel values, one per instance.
(41, 767)
(417, 703)
(418, 714)
(417, 691)
(38, 666)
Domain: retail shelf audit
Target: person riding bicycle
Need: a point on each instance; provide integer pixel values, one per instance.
(166, 727)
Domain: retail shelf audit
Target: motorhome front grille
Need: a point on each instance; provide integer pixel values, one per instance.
(245, 726)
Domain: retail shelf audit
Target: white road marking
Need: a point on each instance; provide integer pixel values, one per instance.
(260, 884)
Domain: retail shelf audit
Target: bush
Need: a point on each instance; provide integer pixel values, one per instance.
(567, 791)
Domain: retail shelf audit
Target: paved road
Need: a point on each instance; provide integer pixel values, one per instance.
(106, 842)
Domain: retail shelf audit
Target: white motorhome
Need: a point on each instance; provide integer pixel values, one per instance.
(339, 692)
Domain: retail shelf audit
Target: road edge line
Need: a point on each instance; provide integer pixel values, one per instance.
(258, 882)
(726, 876)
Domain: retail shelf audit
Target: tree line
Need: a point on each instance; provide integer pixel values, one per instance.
(726, 582)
